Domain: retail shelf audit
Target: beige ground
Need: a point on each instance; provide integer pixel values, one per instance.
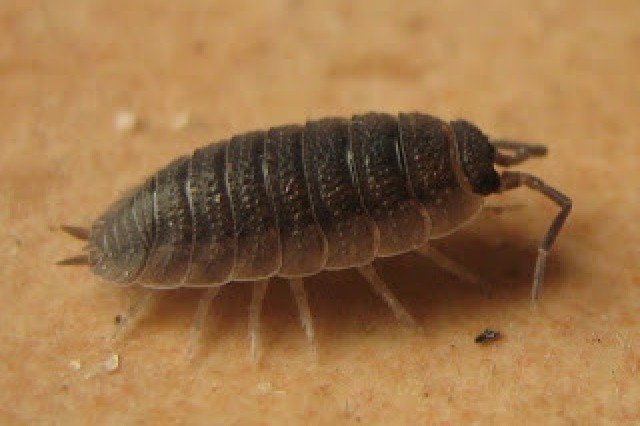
(563, 73)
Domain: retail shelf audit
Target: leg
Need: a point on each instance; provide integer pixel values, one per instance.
(512, 180)
(125, 322)
(257, 297)
(297, 288)
(451, 266)
(381, 288)
(197, 326)
(497, 210)
(520, 152)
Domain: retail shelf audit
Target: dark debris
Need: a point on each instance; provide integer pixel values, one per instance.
(487, 336)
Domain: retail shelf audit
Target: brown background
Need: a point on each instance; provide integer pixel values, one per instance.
(562, 73)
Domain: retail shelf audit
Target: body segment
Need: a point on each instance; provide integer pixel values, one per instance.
(304, 245)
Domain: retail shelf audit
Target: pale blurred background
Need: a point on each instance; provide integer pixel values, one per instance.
(98, 94)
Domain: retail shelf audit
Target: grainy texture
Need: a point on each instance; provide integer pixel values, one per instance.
(557, 73)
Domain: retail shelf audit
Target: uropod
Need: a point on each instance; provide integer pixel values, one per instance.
(295, 200)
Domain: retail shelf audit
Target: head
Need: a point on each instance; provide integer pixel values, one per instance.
(477, 156)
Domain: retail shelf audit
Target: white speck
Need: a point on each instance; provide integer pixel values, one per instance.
(109, 365)
(112, 363)
(263, 388)
(75, 365)
(181, 120)
(126, 121)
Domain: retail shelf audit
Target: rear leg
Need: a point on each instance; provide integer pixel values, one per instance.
(297, 288)
(451, 266)
(124, 323)
(381, 288)
(197, 326)
(255, 310)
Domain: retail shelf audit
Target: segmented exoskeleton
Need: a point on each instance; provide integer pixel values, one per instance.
(295, 200)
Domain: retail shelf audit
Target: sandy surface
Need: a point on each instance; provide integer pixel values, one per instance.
(562, 73)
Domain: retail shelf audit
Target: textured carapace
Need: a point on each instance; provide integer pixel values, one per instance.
(298, 199)
(294, 200)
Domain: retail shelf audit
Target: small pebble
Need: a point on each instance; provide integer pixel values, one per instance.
(112, 363)
(487, 336)
(109, 365)
(126, 121)
(182, 120)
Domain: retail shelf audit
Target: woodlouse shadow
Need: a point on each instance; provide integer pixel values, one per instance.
(342, 303)
(426, 290)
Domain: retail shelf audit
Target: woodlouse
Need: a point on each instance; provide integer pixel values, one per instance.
(297, 199)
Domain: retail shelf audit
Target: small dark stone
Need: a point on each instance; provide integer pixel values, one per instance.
(487, 336)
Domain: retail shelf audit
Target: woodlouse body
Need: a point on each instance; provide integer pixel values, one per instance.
(294, 200)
